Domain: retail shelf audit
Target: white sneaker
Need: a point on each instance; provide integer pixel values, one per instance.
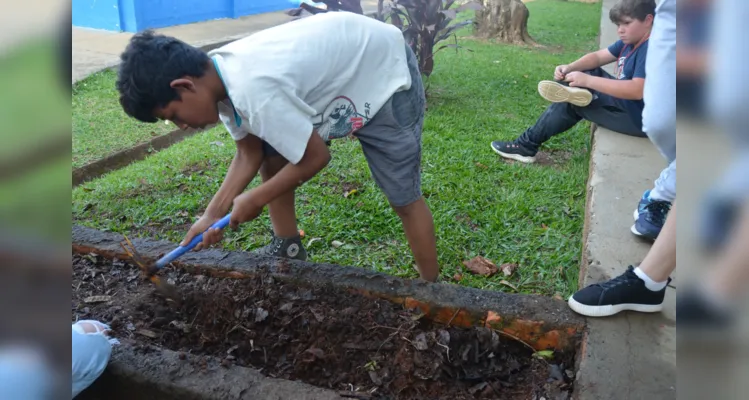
(557, 93)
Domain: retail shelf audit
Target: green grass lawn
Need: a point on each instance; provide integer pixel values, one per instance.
(531, 215)
(100, 127)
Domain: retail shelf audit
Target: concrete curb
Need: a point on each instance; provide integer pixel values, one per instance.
(541, 322)
(130, 155)
(155, 373)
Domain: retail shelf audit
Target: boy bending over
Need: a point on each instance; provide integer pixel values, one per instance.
(282, 93)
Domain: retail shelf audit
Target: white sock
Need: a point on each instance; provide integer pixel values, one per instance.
(649, 283)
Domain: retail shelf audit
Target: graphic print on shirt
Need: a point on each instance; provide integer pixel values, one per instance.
(620, 68)
(340, 119)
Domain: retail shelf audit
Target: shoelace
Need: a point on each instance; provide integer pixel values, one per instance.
(623, 278)
(657, 211)
(274, 246)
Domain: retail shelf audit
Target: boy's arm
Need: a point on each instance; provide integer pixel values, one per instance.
(592, 61)
(630, 89)
(248, 205)
(242, 171)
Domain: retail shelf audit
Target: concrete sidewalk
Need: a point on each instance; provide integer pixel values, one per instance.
(94, 50)
(631, 355)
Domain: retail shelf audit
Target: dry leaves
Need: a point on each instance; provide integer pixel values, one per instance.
(458, 277)
(481, 266)
(97, 299)
(147, 333)
(508, 268)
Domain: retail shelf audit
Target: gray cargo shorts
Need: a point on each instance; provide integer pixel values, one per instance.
(391, 141)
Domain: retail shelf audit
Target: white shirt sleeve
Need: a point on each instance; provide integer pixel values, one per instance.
(284, 121)
(226, 114)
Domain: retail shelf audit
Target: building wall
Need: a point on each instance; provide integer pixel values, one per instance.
(137, 15)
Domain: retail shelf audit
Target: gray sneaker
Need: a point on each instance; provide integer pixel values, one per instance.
(286, 248)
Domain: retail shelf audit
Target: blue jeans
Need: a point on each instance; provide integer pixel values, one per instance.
(604, 110)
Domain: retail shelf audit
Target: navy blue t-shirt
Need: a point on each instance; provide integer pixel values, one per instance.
(630, 64)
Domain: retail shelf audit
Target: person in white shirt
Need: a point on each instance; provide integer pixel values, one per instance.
(282, 93)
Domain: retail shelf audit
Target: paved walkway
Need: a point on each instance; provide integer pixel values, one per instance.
(94, 50)
(628, 356)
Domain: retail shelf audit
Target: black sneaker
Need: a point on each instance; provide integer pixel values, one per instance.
(625, 292)
(651, 216)
(694, 311)
(514, 151)
(287, 248)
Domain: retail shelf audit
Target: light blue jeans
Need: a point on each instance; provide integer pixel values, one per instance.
(659, 114)
(90, 353)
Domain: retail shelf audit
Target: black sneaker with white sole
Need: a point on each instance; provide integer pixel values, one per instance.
(287, 248)
(514, 151)
(625, 292)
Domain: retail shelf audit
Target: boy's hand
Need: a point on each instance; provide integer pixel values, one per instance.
(245, 209)
(560, 72)
(211, 237)
(577, 79)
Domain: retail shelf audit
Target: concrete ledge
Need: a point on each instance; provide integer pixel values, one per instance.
(153, 373)
(542, 322)
(630, 355)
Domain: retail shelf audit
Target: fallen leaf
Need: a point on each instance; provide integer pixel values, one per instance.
(147, 333)
(417, 317)
(544, 226)
(420, 342)
(301, 233)
(503, 282)
(458, 277)
(482, 166)
(558, 296)
(525, 76)
(130, 326)
(350, 193)
(444, 337)
(315, 352)
(286, 307)
(375, 378)
(260, 315)
(97, 299)
(87, 189)
(477, 388)
(143, 181)
(508, 268)
(336, 244)
(481, 266)
(318, 316)
(544, 354)
(312, 241)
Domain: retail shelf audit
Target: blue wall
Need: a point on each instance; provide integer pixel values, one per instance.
(99, 14)
(137, 15)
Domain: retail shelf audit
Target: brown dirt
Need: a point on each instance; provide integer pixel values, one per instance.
(318, 335)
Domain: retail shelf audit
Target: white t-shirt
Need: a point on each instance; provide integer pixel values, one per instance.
(331, 71)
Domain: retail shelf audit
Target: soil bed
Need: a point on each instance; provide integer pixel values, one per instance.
(318, 335)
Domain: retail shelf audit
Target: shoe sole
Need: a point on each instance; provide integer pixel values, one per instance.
(558, 93)
(637, 233)
(516, 157)
(609, 310)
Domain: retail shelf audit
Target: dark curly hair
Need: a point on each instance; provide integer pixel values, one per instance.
(149, 64)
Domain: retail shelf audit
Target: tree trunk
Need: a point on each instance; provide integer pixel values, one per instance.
(505, 20)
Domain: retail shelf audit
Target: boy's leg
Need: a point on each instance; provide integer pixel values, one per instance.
(604, 110)
(286, 240)
(659, 121)
(391, 143)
